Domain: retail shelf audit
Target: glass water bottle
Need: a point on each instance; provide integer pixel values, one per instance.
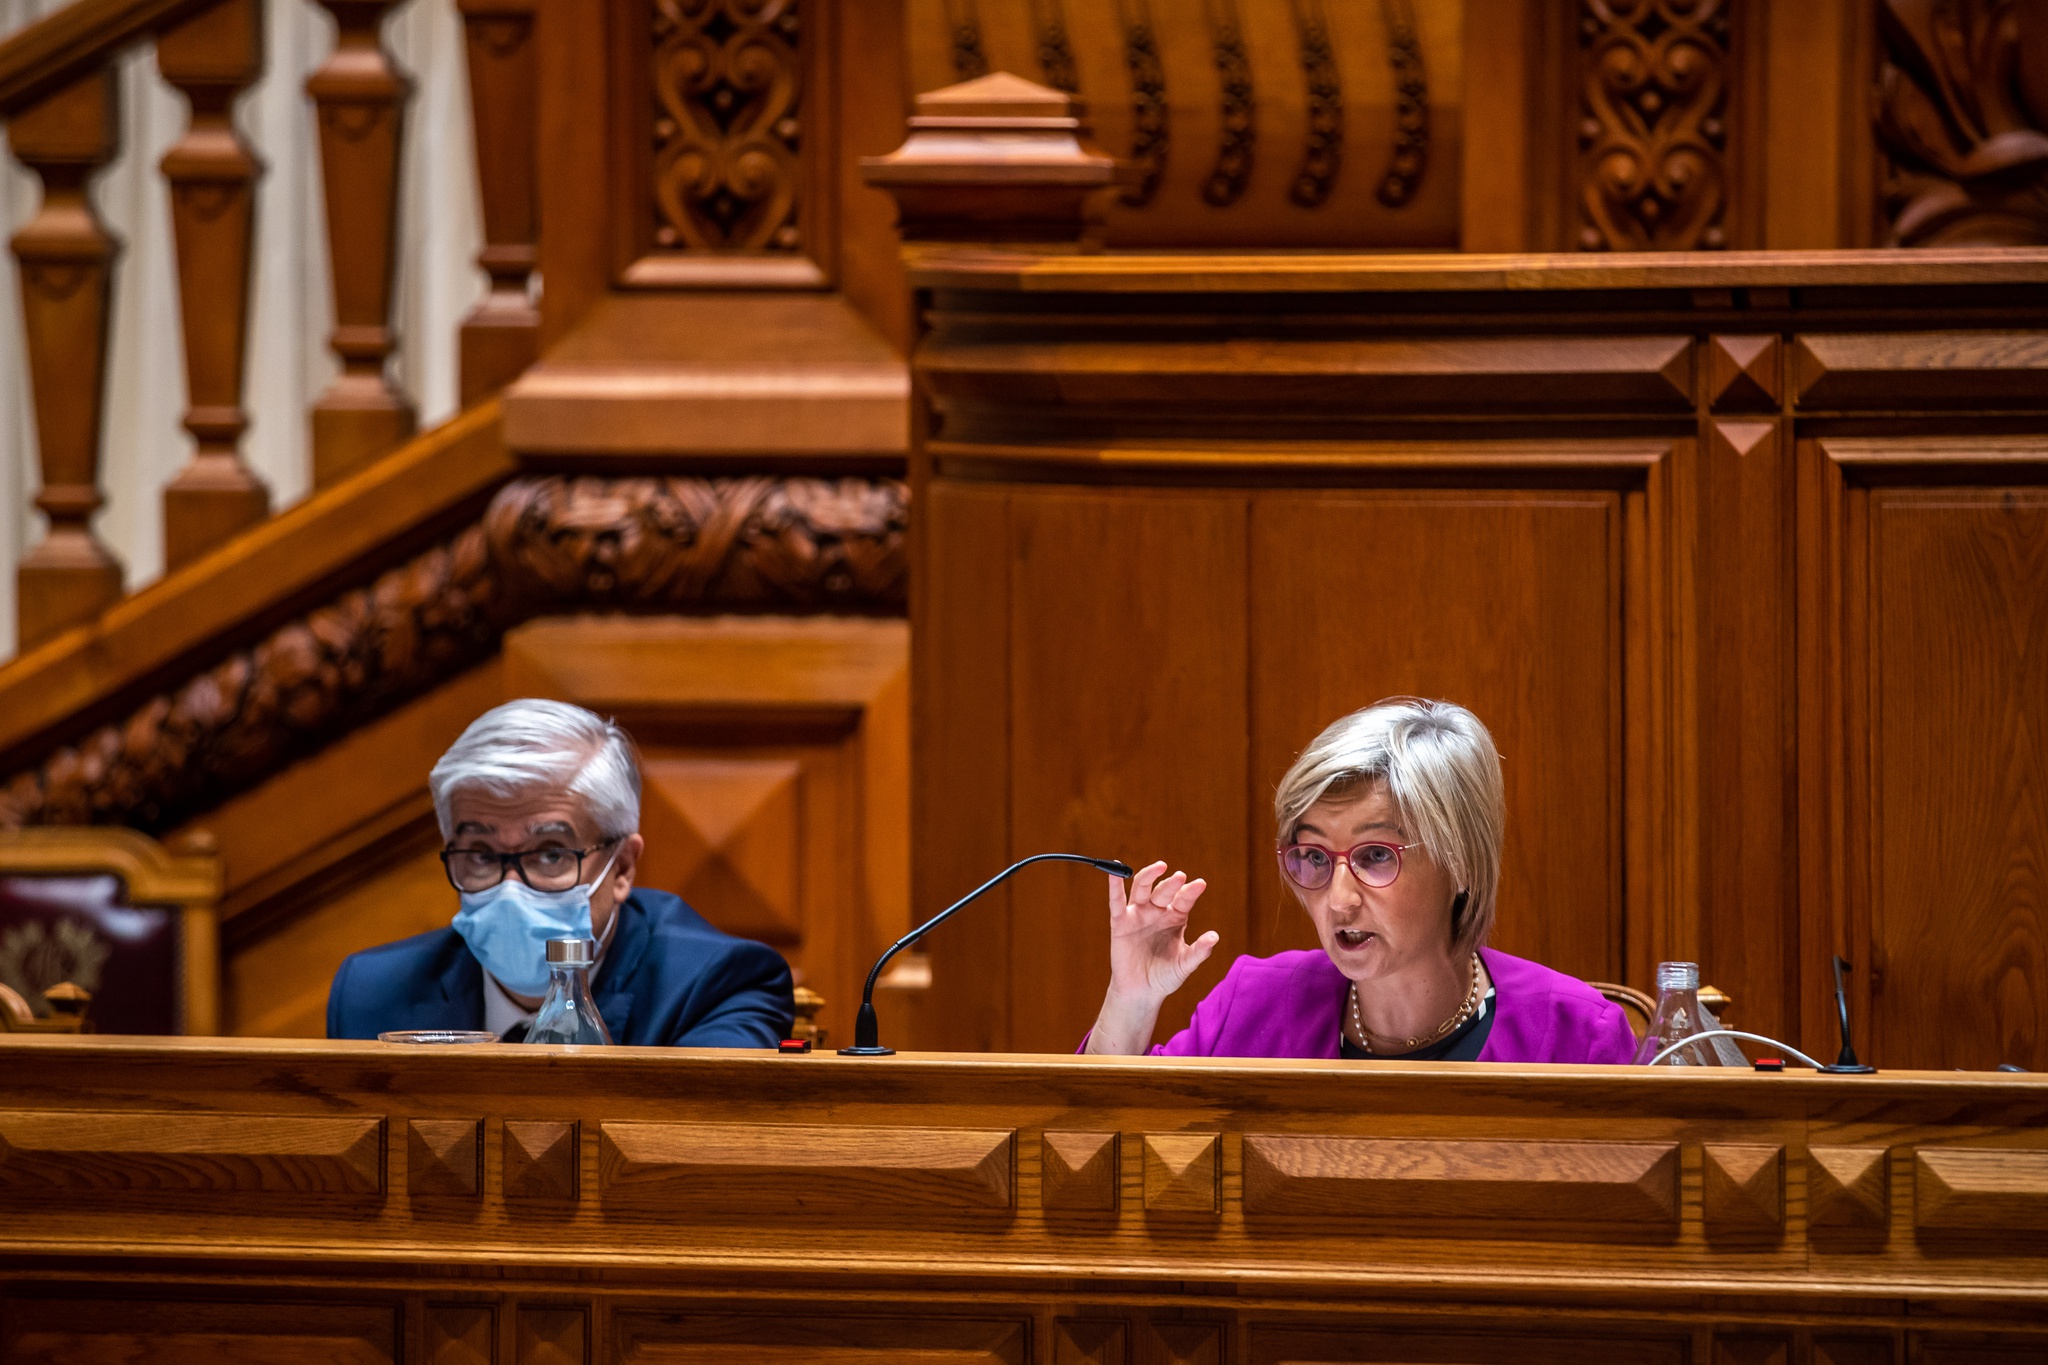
(568, 1014)
(1678, 1016)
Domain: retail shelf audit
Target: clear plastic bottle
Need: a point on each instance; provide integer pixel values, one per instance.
(567, 1013)
(1678, 1016)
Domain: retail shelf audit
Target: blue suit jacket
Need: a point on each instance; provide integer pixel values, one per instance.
(668, 979)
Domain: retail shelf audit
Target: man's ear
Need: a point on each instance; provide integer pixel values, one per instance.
(627, 866)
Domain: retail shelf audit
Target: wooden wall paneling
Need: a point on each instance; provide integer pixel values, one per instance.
(1494, 200)
(1358, 595)
(258, 1331)
(874, 101)
(1825, 913)
(1816, 159)
(1127, 733)
(66, 258)
(361, 96)
(962, 738)
(212, 58)
(576, 154)
(460, 1333)
(1747, 936)
(775, 757)
(898, 1332)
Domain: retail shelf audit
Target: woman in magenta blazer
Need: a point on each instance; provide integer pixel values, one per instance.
(1390, 834)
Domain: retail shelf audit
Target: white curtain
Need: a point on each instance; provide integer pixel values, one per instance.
(143, 443)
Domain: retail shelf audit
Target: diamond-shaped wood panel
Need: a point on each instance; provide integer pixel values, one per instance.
(725, 835)
(1847, 1188)
(1743, 1187)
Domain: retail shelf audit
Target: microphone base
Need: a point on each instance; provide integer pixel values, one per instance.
(876, 1051)
(1848, 1071)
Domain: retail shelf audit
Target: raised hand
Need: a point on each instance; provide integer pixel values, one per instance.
(1149, 955)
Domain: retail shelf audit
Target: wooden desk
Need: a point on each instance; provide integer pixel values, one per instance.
(185, 1200)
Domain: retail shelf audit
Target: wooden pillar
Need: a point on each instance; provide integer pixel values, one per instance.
(67, 260)
(361, 98)
(212, 58)
(500, 336)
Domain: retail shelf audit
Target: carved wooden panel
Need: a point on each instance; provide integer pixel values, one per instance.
(444, 1156)
(728, 831)
(1848, 1188)
(1183, 1172)
(81, 1153)
(552, 1336)
(1090, 1341)
(747, 1168)
(1079, 1171)
(1919, 369)
(1742, 372)
(1980, 1189)
(540, 1159)
(870, 1338)
(1633, 1183)
(1459, 1343)
(257, 1330)
(1742, 1188)
(1752, 1349)
(1184, 1343)
(461, 1334)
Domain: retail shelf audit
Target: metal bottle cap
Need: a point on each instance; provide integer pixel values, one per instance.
(571, 952)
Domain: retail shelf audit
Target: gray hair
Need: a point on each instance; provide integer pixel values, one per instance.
(1442, 770)
(532, 745)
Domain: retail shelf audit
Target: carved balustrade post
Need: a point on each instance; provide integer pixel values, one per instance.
(212, 58)
(67, 260)
(500, 336)
(361, 96)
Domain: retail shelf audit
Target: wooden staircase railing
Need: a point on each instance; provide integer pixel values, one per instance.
(59, 99)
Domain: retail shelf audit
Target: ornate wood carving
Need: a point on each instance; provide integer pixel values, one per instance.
(1591, 1182)
(540, 1159)
(1149, 112)
(1962, 104)
(444, 1156)
(1183, 1172)
(1886, 370)
(799, 1168)
(361, 97)
(1848, 1188)
(1411, 106)
(500, 334)
(212, 58)
(1090, 1341)
(1652, 135)
(1980, 1189)
(728, 90)
(1079, 1171)
(1055, 49)
(1743, 372)
(67, 261)
(1743, 1187)
(543, 544)
(218, 1153)
(1323, 155)
(1239, 109)
(963, 23)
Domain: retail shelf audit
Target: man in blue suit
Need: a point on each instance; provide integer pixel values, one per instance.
(539, 805)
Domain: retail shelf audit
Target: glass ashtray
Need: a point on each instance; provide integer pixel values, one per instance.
(438, 1035)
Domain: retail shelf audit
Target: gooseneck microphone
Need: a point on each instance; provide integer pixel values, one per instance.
(1846, 1064)
(866, 1030)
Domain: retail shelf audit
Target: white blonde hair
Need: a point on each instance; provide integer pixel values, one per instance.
(532, 745)
(1441, 769)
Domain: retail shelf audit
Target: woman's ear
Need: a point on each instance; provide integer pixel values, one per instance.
(1458, 903)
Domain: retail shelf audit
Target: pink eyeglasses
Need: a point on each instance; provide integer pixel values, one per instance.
(1311, 866)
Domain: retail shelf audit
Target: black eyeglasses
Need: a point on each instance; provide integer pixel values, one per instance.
(543, 869)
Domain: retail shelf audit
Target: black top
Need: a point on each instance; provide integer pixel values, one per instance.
(1462, 1044)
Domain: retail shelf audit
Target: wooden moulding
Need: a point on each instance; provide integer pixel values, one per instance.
(1743, 1188)
(748, 1168)
(540, 1159)
(1848, 1189)
(1078, 1171)
(1980, 1189)
(1742, 372)
(1183, 1172)
(208, 1153)
(1631, 1183)
(444, 1157)
(1887, 370)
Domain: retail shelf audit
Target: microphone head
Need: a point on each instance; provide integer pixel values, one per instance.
(1112, 866)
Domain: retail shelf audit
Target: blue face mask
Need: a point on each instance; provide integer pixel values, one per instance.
(508, 927)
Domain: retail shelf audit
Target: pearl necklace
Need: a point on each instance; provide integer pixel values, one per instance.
(1448, 1026)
